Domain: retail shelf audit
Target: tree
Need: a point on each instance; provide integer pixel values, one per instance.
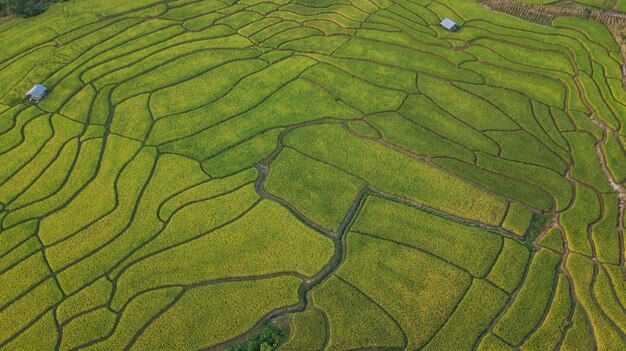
(24, 7)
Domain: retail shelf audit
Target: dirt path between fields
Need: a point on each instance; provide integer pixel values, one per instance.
(618, 189)
(309, 284)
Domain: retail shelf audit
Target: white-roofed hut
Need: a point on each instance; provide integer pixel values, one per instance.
(37, 93)
(450, 25)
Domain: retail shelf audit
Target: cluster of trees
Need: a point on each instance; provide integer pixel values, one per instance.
(24, 7)
(267, 339)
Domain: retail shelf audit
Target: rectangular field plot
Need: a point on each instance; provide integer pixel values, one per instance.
(532, 299)
(471, 318)
(442, 238)
(396, 173)
(417, 289)
(355, 321)
(267, 227)
(308, 330)
(196, 321)
(517, 219)
(321, 192)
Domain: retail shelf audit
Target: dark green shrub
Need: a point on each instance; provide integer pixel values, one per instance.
(24, 7)
(266, 339)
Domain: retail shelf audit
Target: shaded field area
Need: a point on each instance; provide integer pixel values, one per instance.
(201, 168)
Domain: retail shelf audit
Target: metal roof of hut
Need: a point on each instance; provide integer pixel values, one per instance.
(449, 24)
(37, 92)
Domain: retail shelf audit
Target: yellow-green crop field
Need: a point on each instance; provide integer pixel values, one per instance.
(311, 175)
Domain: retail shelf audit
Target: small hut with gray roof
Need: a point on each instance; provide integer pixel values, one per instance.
(37, 93)
(450, 25)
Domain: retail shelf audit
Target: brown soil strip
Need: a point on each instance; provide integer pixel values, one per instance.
(5, 19)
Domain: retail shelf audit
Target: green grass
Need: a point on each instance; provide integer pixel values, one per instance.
(97, 233)
(171, 174)
(364, 129)
(553, 183)
(586, 164)
(26, 310)
(238, 100)
(545, 90)
(204, 191)
(246, 154)
(615, 158)
(84, 169)
(579, 336)
(137, 314)
(354, 320)
(185, 225)
(443, 238)
(253, 241)
(203, 89)
(604, 235)
(479, 114)
(20, 253)
(551, 329)
(505, 186)
(527, 114)
(333, 144)
(22, 277)
(390, 77)
(90, 326)
(585, 210)
(322, 193)
(603, 291)
(42, 335)
(401, 132)
(16, 235)
(357, 93)
(509, 268)
(422, 61)
(308, 329)
(531, 300)
(553, 240)
(193, 10)
(426, 113)
(534, 152)
(118, 152)
(64, 131)
(132, 119)
(517, 219)
(195, 320)
(404, 282)
(52, 178)
(78, 107)
(94, 295)
(606, 334)
(493, 343)
(471, 318)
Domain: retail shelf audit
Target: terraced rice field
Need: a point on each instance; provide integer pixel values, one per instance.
(347, 169)
(615, 5)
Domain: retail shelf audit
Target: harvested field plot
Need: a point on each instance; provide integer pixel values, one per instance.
(311, 175)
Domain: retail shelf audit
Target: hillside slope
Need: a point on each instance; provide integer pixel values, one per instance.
(201, 167)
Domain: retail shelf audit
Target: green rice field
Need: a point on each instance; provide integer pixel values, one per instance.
(311, 175)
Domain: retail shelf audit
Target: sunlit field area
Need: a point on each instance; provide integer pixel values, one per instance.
(310, 175)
